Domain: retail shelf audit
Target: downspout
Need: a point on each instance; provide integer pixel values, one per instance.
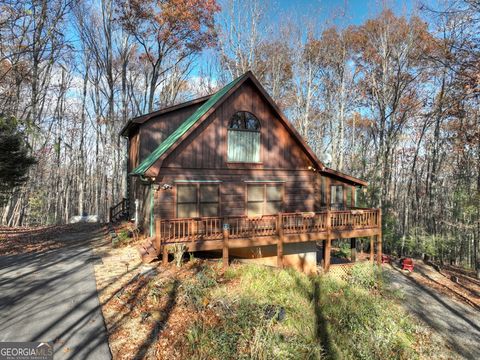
(151, 189)
(151, 209)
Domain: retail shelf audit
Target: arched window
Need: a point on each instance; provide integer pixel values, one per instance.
(244, 138)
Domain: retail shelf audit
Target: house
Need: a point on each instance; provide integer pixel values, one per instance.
(229, 173)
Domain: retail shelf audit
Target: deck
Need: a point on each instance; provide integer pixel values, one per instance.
(224, 233)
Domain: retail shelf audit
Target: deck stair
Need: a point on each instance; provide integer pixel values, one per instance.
(119, 211)
(147, 250)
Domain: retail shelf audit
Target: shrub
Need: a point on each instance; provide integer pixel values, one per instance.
(178, 251)
(366, 275)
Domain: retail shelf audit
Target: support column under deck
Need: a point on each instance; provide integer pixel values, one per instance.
(353, 249)
(371, 249)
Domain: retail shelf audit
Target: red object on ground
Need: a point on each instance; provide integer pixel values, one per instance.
(407, 264)
(386, 259)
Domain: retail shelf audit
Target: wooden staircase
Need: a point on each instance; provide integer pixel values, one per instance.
(119, 211)
(148, 251)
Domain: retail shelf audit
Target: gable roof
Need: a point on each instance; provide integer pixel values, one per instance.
(138, 120)
(170, 143)
(182, 129)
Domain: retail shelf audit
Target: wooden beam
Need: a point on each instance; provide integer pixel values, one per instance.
(353, 249)
(328, 243)
(371, 249)
(164, 255)
(226, 235)
(379, 239)
(280, 241)
(328, 250)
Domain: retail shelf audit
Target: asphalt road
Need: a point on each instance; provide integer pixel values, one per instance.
(52, 296)
(457, 323)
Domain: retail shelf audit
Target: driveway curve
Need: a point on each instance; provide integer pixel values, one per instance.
(52, 296)
(457, 323)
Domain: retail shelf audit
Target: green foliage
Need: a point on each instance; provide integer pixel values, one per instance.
(325, 318)
(14, 156)
(36, 204)
(123, 236)
(344, 251)
(195, 291)
(366, 276)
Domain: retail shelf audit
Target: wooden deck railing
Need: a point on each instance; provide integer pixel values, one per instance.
(211, 228)
(118, 210)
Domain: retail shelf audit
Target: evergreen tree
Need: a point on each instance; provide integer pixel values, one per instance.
(14, 156)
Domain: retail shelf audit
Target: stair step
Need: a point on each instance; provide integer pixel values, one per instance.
(147, 251)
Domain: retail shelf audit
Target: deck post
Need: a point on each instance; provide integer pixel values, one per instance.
(328, 242)
(164, 255)
(379, 238)
(353, 249)
(371, 249)
(158, 241)
(280, 241)
(226, 234)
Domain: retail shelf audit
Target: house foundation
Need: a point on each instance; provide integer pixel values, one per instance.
(300, 256)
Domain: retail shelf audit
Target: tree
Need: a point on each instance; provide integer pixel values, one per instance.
(14, 157)
(168, 32)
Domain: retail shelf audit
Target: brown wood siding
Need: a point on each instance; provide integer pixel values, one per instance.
(203, 156)
(206, 148)
(298, 186)
(155, 130)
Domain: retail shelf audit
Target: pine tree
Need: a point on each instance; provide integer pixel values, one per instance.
(14, 157)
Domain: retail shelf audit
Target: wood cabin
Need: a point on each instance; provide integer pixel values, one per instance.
(229, 173)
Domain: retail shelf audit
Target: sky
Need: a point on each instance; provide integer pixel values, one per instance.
(355, 11)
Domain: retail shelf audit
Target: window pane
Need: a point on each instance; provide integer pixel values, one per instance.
(237, 121)
(207, 209)
(274, 192)
(255, 192)
(254, 208)
(186, 193)
(340, 194)
(243, 146)
(208, 193)
(324, 192)
(251, 122)
(349, 196)
(187, 210)
(333, 194)
(273, 207)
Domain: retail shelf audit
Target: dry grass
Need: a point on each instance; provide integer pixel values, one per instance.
(25, 240)
(198, 311)
(467, 290)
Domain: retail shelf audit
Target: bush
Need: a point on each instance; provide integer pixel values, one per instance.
(366, 275)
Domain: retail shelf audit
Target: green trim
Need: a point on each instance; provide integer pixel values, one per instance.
(198, 181)
(151, 209)
(182, 129)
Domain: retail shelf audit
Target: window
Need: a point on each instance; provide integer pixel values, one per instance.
(197, 200)
(324, 191)
(264, 199)
(336, 195)
(349, 196)
(243, 138)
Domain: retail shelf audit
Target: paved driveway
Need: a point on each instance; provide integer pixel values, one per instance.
(52, 296)
(457, 323)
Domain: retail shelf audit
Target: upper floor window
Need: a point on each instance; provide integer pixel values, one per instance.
(336, 197)
(244, 138)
